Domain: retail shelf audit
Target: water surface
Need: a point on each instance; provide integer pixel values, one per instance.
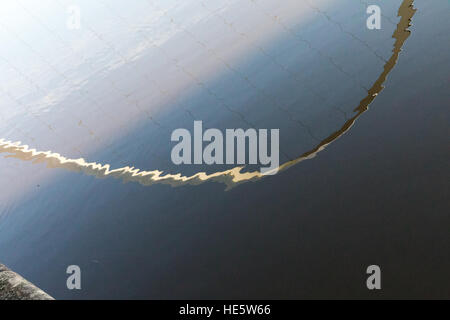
(377, 195)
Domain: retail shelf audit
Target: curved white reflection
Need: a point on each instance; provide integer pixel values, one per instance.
(231, 177)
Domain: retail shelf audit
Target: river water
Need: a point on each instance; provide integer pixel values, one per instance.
(363, 118)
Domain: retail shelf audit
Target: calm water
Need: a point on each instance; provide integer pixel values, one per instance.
(113, 91)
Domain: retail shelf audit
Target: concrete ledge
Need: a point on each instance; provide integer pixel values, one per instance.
(14, 287)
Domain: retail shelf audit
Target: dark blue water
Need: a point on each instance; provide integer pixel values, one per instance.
(378, 195)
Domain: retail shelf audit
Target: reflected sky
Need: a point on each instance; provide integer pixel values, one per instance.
(161, 33)
(129, 66)
(230, 177)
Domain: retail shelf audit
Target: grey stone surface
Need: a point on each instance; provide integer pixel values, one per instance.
(14, 287)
